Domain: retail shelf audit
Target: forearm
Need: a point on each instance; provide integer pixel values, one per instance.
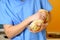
(15, 30)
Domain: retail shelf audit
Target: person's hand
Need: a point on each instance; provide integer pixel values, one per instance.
(35, 25)
(41, 14)
(35, 16)
(43, 26)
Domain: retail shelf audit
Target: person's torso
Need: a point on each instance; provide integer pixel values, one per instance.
(19, 10)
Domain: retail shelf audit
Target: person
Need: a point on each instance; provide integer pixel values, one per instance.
(16, 15)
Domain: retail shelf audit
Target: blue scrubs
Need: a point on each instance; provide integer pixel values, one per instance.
(14, 12)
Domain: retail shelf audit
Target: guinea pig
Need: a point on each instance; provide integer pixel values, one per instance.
(36, 24)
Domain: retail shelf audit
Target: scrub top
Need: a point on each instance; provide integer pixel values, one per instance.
(14, 12)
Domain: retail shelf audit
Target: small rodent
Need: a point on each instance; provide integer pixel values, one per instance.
(44, 17)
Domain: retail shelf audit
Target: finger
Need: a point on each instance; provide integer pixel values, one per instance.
(43, 27)
(46, 24)
(33, 31)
